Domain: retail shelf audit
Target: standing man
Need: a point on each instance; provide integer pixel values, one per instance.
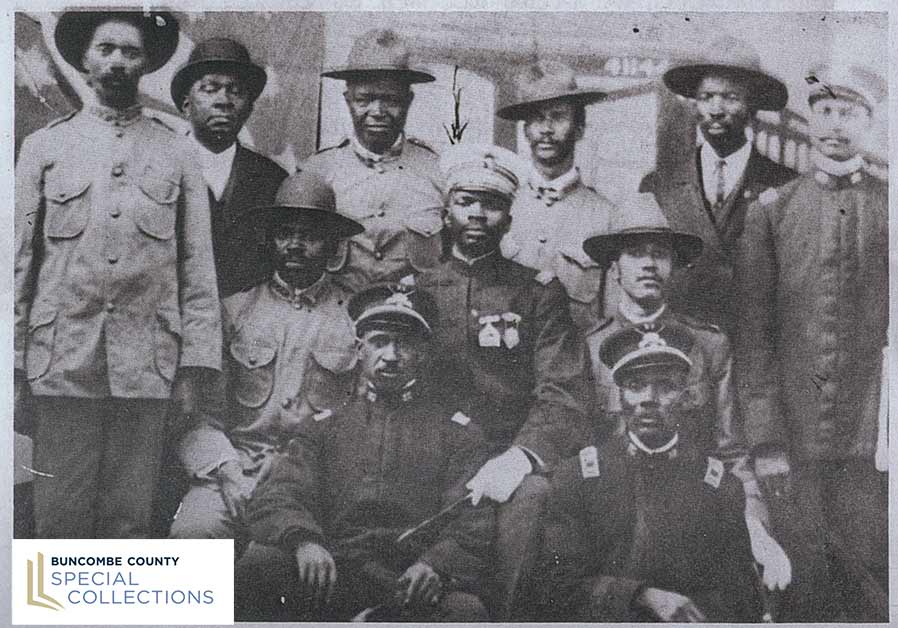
(116, 305)
(813, 270)
(647, 526)
(387, 181)
(642, 251)
(376, 452)
(271, 332)
(507, 347)
(216, 90)
(709, 194)
(554, 208)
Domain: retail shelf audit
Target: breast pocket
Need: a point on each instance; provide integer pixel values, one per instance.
(67, 204)
(160, 188)
(253, 377)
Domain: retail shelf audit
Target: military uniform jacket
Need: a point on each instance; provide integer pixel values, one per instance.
(547, 233)
(813, 271)
(270, 335)
(363, 469)
(619, 521)
(114, 274)
(397, 199)
(241, 254)
(705, 289)
(507, 348)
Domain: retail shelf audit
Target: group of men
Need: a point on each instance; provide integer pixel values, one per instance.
(460, 387)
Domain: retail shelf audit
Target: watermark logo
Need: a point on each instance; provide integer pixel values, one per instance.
(36, 581)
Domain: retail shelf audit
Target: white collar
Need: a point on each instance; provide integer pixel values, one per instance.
(216, 167)
(628, 310)
(736, 163)
(470, 261)
(668, 447)
(837, 168)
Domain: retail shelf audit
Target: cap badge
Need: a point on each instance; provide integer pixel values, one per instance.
(400, 299)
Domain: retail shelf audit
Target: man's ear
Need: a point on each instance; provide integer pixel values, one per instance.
(579, 132)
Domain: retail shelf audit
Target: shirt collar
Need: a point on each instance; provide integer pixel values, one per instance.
(370, 158)
(635, 446)
(299, 296)
(557, 188)
(469, 261)
(117, 117)
(735, 162)
(407, 393)
(837, 168)
(627, 310)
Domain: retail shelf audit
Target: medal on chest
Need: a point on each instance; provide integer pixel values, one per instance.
(497, 330)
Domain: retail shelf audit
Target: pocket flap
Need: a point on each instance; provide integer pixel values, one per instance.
(252, 355)
(170, 321)
(63, 188)
(159, 184)
(41, 319)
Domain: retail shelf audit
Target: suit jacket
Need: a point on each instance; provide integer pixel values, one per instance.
(114, 276)
(705, 289)
(241, 254)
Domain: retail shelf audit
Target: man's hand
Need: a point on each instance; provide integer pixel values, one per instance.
(236, 488)
(420, 584)
(772, 470)
(500, 477)
(317, 574)
(777, 572)
(670, 606)
(23, 422)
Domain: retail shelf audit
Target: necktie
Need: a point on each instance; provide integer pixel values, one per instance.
(721, 183)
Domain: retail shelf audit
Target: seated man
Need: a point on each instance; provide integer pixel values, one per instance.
(270, 332)
(378, 450)
(647, 527)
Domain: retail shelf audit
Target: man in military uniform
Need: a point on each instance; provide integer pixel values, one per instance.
(216, 90)
(271, 332)
(379, 448)
(507, 347)
(813, 272)
(554, 208)
(116, 308)
(647, 526)
(708, 194)
(387, 181)
(642, 251)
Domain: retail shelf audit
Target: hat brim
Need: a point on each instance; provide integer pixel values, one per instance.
(406, 75)
(521, 110)
(392, 317)
(649, 358)
(75, 29)
(767, 93)
(605, 248)
(330, 222)
(253, 75)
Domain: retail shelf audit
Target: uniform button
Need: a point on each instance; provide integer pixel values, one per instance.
(286, 403)
(252, 360)
(381, 214)
(543, 239)
(110, 307)
(115, 213)
(474, 312)
(117, 171)
(378, 255)
(120, 134)
(297, 305)
(112, 259)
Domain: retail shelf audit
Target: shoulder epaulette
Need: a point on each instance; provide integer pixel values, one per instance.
(697, 323)
(158, 120)
(343, 144)
(326, 413)
(768, 196)
(461, 418)
(421, 143)
(589, 462)
(61, 119)
(714, 473)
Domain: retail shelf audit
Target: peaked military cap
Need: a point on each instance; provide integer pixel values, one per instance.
(307, 196)
(846, 81)
(216, 55)
(545, 81)
(75, 30)
(636, 220)
(641, 347)
(400, 306)
(481, 168)
(734, 58)
(379, 52)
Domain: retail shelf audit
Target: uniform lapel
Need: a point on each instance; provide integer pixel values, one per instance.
(690, 212)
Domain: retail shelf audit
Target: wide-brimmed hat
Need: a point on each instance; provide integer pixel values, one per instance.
(382, 53)
(733, 57)
(307, 196)
(636, 220)
(545, 81)
(400, 306)
(75, 29)
(641, 347)
(218, 54)
(845, 80)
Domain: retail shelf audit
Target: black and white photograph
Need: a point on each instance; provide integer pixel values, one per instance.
(455, 315)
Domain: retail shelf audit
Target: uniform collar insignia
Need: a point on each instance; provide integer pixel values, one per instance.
(407, 393)
(551, 191)
(299, 296)
(118, 117)
(628, 313)
(372, 159)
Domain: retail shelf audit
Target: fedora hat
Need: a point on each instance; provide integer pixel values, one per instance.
(737, 58)
(75, 29)
(379, 52)
(636, 220)
(306, 196)
(542, 82)
(216, 55)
